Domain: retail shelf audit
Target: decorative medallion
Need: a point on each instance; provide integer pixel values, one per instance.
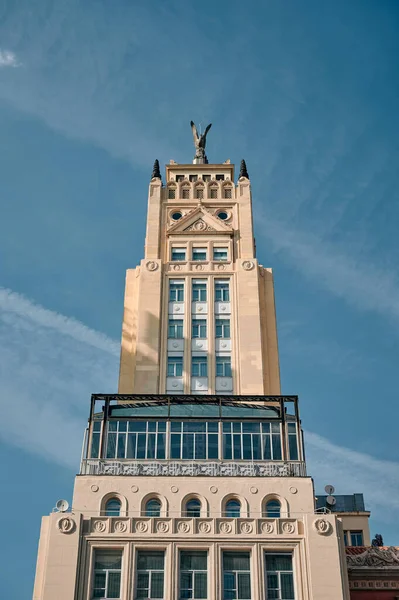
(177, 308)
(246, 528)
(248, 265)
(293, 490)
(99, 526)
(200, 344)
(162, 527)
(200, 308)
(135, 489)
(174, 384)
(204, 527)
(223, 345)
(253, 490)
(221, 267)
(213, 489)
(225, 527)
(199, 267)
(66, 525)
(152, 265)
(175, 345)
(223, 308)
(199, 225)
(174, 489)
(120, 527)
(94, 488)
(322, 526)
(183, 527)
(288, 527)
(176, 267)
(141, 526)
(267, 528)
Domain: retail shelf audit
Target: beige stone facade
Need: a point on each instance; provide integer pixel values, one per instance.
(193, 481)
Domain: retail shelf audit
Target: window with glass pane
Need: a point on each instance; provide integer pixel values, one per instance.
(175, 328)
(213, 192)
(206, 177)
(356, 538)
(273, 509)
(199, 193)
(236, 576)
(185, 193)
(193, 178)
(199, 328)
(113, 508)
(176, 291)
(179, 178)
(153, 508)
(95, 439)
(292, 441)
(193, 508)
(171, 193)
(136, 439)
(345, 538)
(219, 177)
(251, 441)
(175, 366)
(222, 291)
(222, 327)
(199, 291)
(107, 574)
(199, 253)
(220, 254)
(223, 366)
(150, 574)
(194, 440)
(199, 366)
(178, 254)
(279, 576)
(232, 509)
(193, 575)
(227, 192)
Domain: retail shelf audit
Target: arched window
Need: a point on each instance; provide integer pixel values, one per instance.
(153, 508)
(227, 192)
(171, 193)
(193, 508)
(232, 508)
(113, 508)
(273, 509)
(185, 192)
(199, 193)
(213, 191)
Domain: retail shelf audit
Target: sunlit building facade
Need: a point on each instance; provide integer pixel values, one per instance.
(193, 480)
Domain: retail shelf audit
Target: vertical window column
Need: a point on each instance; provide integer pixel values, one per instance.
(193, 575)
(150, 575)
(199, 337)
(107, 574)
(174, 367)
(223, 346)
(279, 576)
(237, 576)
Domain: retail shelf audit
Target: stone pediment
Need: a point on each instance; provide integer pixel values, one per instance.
(200, 221)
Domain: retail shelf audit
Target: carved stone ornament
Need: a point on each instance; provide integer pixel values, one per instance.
(120, 527)
(288, 527)
(221, 267)
(99, 526)
(322, 526)
(213, 489)
(66, 525)
(162, 527)
(246, 528)
(375, 557)
(135, 489)
(225, 527)
(199, 267)
(200, 225)
(204, 527)
(267, 528)
(248, 265)
(253, 490)
(176, 267)
(152, 265)
(141, 526)
(94, 488)
(183, 527)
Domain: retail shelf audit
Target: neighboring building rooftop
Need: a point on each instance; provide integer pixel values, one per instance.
(345, 503)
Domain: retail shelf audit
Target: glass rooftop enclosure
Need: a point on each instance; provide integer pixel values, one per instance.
(193, 435)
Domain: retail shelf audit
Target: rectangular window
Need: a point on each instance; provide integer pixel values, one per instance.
(199, 193)
(199, 291)
(136, 439)
(175, 366)
(95, 439)
(220, 254)
(356, 538)
(219, 177)
(279, 576)
(176, 291)
(199, 328)
(178, 254)
(193, 575)
(222, 327)
(150, 575)
(171, 193)
(227, 192)
(292, 441)
(206, 177)
(223, 366)
(199, 366)
(179, 178)
(175, 328)
(345, 538)
(199, 253)
(194, 440)
(236, 576)
(107, 574)
(222, 291)
(251, 441)
(213, 193)
(193, 177)
(185, 193)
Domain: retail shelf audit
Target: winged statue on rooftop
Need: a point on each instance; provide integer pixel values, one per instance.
(200, 143)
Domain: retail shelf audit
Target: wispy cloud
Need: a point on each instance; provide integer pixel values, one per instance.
(8, 59)
(49, 365)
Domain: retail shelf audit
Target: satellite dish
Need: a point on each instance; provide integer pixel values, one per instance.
(62, 505)
(331, 500)
(329, 489)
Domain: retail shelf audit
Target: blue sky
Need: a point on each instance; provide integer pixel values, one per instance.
(90, 94)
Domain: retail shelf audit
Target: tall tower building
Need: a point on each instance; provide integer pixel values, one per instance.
(193, 479)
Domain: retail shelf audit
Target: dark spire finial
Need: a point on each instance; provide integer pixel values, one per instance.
(156, 173)
(243, 169)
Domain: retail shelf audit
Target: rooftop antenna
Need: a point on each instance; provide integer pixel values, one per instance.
(61, 506)
(330, 500)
